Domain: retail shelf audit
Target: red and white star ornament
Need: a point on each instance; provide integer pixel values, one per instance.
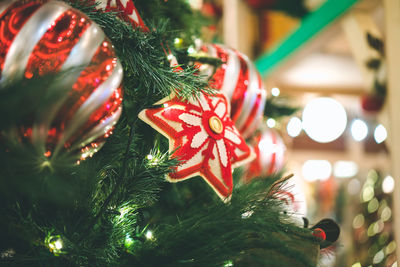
(201, 135)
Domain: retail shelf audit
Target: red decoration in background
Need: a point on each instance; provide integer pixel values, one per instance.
(201, 135)
(43, 37)
(270, 151)
(372, 103)
(211, 10)
(238, 78)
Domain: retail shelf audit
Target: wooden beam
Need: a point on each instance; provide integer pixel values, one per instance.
(310, 26)
(392, 25)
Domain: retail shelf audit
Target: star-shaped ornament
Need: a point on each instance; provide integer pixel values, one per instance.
(203, 137)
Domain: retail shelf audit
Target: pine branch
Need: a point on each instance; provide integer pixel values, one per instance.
(143, 58)
(276, 107)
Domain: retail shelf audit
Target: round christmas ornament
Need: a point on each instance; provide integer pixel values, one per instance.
(238, 78)
(371, 103)
(203, 137)
(270, 151)
(126, 10)
(39, 38)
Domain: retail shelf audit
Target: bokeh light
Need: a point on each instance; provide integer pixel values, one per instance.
(388, 184)
(294, 127)
(271, 123)
(380, 134)
(275, 91)
(314, 170)
(345, 169)
(359, 130)
(324, 119)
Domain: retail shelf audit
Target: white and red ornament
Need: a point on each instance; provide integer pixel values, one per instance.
(201, 135)
(126, 10)
(238, 78)
(270, 153)
(49, 37)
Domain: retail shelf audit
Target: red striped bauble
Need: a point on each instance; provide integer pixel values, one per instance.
(239, 79)
(48, 37)
(270, 153)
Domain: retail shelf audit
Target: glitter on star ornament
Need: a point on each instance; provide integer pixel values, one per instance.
(203, 137)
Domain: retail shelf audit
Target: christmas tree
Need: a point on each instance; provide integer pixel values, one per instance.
(83, 179)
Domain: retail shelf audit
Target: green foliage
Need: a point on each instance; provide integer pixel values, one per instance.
(147, 75)
(277, 108)
(207, 232)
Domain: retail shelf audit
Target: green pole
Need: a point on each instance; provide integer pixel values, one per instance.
(310, 26)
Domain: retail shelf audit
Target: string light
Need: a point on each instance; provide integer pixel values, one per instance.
(271, 123)
(149, 235)
(359, 130)
(228, 264)
(275, 91)
(380, 134)
(178, 42)
(373, 205)
(128, 241)
(379, 256)
(388, 184)
(125, 210)
(247, 214)
(358, 221)
(368, 193)
(386, 214)
(9, 253)
(54, 244)
(390, 247)
(191, 50)
(294, 127)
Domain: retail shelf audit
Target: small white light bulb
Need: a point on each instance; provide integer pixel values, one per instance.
(275, 91)
(380, 134)
(58, 244)
(271, 123)
(149, 234)
(359, 130)
(294, 127)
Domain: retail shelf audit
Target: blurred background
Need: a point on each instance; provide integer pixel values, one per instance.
(329, 59)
